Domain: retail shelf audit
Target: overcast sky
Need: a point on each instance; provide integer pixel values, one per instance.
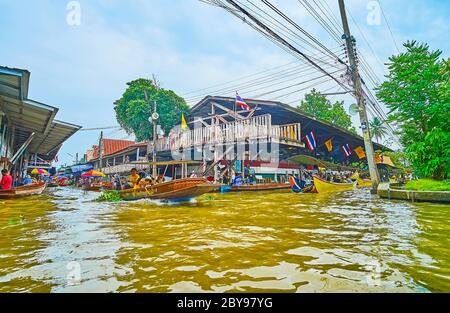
(188, 44)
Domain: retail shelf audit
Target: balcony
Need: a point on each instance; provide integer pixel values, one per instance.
(255, 128)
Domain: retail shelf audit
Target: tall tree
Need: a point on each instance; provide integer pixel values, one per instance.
(318, 106)
(133, 112)
(377, 129)
(416, 91)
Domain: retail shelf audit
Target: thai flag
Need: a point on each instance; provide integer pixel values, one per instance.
(347, 151)
(311, 141)
(242, 103)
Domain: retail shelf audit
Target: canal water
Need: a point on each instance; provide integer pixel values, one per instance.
(63, 241)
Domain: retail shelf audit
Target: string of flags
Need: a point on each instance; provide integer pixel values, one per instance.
(311, 143)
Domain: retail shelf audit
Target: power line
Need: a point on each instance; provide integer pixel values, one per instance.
(99, 128)
(389, 27)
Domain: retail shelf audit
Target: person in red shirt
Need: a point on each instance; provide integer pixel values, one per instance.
(6, 183)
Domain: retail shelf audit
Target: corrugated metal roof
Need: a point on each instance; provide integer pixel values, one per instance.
(27, 116)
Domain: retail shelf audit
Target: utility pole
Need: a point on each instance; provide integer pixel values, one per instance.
(100, 150)
(350, 41)
(154, 120)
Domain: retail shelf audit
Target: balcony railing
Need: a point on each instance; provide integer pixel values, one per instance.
(258, 127)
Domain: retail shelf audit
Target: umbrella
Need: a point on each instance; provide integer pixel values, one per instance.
(93, 174)
(39, 171)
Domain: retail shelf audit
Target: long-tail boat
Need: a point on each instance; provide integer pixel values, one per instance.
(180, 190)
(98, 186)
(298, 187)
(260, 187)
(323, 186)
(23, 191)
(361, 181)
(364, 182)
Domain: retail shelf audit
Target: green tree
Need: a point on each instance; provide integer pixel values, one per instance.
(377, 129)
(416, 91)
(133, 112)
(317, 105)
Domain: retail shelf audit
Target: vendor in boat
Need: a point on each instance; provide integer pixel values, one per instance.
(6, 182)
(133, 179)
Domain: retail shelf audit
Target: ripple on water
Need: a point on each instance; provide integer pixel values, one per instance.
(239, 242)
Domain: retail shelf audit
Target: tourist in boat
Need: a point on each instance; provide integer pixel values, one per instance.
(160, 179)
(193, 175)
(27, 180)
(148, 181)
(133, 179)
(6, 182)
(238, 181)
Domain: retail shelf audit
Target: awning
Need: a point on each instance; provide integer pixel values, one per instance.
(27, 116)
(50, 142)
(308, 160)
(384, 160)
(14, 82)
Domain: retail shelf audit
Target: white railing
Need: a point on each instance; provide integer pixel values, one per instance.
(123, 168)
(258, 127)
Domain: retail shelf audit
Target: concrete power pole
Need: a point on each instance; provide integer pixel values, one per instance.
(154, 120)
(100, 150)
(350, 41)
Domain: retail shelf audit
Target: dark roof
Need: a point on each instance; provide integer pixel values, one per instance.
(285, 114)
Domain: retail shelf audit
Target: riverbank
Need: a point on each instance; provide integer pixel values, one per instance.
(428, 185)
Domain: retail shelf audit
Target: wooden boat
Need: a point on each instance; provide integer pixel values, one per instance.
(323, 186)
(364, 182)
(262, 187)
(98, 187)
(180, 190)
(23, 191)
(298, 186)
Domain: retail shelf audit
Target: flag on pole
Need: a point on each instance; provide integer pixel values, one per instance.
(242, 103)
(360, 152)
(311, 141)
(347, 150)
(329, 145)
(184, 125)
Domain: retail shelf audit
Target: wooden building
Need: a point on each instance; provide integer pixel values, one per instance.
(216, 121)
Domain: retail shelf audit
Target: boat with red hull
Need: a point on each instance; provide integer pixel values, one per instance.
(180, 190)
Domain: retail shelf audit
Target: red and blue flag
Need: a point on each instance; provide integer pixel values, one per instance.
(347, 151)
(311, 141)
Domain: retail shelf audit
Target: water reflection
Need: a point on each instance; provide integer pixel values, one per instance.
(232, 242)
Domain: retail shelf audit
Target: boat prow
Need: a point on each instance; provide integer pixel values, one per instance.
(364, 182)
(323, 186)
(23, 191)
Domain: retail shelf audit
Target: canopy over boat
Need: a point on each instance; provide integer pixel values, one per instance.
(92, 174)
(309, 160)
(324, 186)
